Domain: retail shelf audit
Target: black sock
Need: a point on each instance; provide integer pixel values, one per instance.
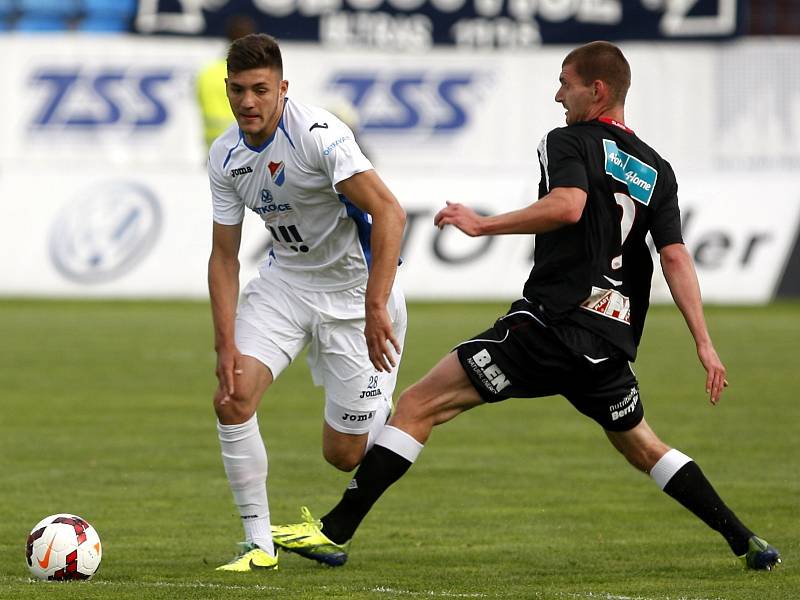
(691, 488)
(380, 468)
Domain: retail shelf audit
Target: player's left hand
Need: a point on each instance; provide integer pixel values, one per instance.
(716, 381)
(380, 335)
(463, 217)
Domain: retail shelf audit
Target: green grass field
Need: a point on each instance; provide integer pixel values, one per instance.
(106, 412)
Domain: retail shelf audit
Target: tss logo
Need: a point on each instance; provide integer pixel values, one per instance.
(75, 98)
(410, 102)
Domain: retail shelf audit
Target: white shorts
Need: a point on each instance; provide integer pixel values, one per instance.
(275, 322)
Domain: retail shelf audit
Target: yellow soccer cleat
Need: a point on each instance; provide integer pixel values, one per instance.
(307, 539)
(250, 558)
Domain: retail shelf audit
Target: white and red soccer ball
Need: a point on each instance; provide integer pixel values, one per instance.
(63, 547)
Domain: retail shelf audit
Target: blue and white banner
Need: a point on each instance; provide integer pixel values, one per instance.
(88, 102)
(103, 190)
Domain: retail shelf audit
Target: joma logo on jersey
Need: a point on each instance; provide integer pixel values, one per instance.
(370, 393)
(358, 418)
(639, 177)
(241, 171)
(278, 172)
(626, 407)
(492, 376)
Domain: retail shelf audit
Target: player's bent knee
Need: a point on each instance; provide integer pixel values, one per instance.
(233, 409)
(344, 461)
(644, 457)
(233, 415)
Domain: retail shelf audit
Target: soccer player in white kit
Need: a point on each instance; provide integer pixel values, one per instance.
(327, 282)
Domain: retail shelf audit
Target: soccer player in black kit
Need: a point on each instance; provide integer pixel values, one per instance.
(580, 319)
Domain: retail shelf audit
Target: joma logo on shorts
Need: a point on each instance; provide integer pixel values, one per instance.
(358, 418)
(627, 406)
(494, 376)
(370, 393)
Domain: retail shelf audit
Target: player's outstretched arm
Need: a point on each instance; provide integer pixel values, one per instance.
(223, 288)
(369, 193)
(562, 206)
(681, 278)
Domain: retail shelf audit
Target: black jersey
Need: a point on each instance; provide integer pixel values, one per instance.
(597, 272)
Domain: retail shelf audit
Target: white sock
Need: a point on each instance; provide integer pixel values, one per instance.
(378, 423)
(258, 531)
(667, 466)
(245, 459)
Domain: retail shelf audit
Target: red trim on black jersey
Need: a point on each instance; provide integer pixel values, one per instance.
(609, 121)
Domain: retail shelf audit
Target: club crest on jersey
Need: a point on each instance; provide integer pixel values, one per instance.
(278, 172)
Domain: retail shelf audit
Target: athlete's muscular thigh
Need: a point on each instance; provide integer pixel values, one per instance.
(249, 387)
(441, 395)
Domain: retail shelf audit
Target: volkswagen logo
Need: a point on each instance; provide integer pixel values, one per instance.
(104, 232)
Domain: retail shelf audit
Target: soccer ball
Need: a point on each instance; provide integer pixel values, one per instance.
(63, 547)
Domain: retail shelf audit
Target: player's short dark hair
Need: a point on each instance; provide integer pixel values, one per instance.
(603, 61)
(255, 51)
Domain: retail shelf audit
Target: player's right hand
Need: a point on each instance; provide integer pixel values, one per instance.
(463, 217)
(380, 339)
(227, 369)
(716, 380)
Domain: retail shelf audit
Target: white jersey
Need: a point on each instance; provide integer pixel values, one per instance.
(320, 239)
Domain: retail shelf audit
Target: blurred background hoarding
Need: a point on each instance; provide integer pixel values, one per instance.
(420, 24)
(102, 158)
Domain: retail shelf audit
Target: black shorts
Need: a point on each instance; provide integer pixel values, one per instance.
(523, 357)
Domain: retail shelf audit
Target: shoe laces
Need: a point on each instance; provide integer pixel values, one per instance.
(245, 547)
(305, 514)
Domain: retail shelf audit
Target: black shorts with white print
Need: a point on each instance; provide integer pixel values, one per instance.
(522, 356)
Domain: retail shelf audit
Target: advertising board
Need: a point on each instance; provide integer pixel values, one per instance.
(118, 235)
(414, 25)
(104, 193)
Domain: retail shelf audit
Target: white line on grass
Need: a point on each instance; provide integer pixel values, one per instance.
(607, 596)
(431, 594)
(375, 590)
(171, 584)
(260, 587)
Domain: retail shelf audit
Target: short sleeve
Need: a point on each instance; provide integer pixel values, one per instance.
(228, 208)
(563, 161)
(335, 151)
(665, 225)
